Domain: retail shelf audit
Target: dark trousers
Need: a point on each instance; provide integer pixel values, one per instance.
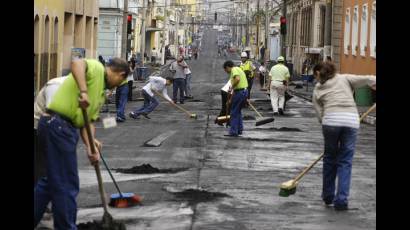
(150, 103)
(179, 84)
(58, 140)
(250, 82)
(130, 83)
(39, 160)
(236, 121)
(224, 97)
(339, 150)
(121, 95)
(262, 79)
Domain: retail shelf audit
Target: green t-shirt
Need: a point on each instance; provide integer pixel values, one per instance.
(279, 72)
(65, 100)
(243, 82)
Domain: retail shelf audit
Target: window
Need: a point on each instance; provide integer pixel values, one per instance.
(355, 29)
(363, 30)
(346, 41)
(373, 31)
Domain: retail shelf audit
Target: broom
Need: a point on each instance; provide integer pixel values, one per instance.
(191, 115)
(289, 187)
(226, 118)
(263, 120)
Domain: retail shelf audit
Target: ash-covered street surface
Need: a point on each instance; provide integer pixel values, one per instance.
(199, 179)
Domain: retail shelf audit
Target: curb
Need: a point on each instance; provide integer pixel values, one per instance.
(370, 120)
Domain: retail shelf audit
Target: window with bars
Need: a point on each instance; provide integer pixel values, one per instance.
(355, 30)
(363, 30)
(306, 27)
(373, 31)
(346, 36)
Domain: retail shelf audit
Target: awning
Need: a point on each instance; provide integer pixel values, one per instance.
(153, 29)
(313, 50)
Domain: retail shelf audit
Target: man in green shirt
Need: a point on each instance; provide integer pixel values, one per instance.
(240, 93)
(58, 136)
(279, 77)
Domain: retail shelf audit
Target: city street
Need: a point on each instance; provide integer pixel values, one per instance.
(217, 182)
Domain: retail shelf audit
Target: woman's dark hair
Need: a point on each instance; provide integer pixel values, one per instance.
(119, 65)
(228, 64)
(326, 70)
(171, 79)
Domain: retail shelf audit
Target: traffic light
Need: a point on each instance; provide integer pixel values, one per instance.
(282, 25)
(216, 16)
(129, 24)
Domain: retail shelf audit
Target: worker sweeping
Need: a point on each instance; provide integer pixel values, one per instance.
(157, 84)
(239, 95)
(57, 130)
(279, 76)
(337, 112)
(249, 70)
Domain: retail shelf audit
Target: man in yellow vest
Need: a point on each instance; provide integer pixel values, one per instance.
(279, 77)
(249, 70)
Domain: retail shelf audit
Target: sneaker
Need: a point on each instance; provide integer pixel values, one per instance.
(341, 207)
(281, 111)
(132, 115)
(145, 115)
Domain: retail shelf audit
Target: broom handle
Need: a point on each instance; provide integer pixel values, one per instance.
(321, 156)
(254, 109)
(109, 172)
(96, 166)
(175, 105)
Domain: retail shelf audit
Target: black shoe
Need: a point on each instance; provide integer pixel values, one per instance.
(120, 119)
(230, 135)
(145, 115)
(328, 201)
(275, 113)
(281, 111)
(341, 207)
(132, 115)
(181, 102)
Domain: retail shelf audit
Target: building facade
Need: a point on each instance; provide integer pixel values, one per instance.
(63, 29)
(358, 44)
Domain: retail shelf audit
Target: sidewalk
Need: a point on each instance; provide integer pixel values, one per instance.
(306, 93)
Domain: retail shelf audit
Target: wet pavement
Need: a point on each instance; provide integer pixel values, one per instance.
(221, 182)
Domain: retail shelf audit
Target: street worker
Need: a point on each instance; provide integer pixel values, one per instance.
(188, 77)
(224, 97)
(155, 84)
(121, 98)
(239, 94)
(57, 132)
(43, 98)
(178, 68)
(279, 76)
(337, 112)
(249, 70)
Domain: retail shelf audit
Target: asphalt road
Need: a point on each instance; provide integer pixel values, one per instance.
(237, 179)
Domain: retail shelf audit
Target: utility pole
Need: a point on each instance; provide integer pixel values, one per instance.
(165, 33)
(144, 15)
(257, 29)
(124, 37)
(247, 23)
(328, 30)
(283, 38)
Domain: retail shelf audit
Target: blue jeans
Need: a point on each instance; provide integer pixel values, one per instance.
(179, 84)
(150, 103)
(58, 139)
(188, 85)
(236, 122)
(121, 97)
(337, 161)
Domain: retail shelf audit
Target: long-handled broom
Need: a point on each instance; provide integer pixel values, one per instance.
(108, 221)
(262, 120)
(191, 115)
(120, 200)
(289, 187)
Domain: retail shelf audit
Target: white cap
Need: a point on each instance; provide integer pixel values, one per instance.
(244, 54)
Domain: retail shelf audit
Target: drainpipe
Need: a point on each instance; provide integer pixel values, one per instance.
(328, 30)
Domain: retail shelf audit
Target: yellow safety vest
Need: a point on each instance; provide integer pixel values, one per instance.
(247, 66)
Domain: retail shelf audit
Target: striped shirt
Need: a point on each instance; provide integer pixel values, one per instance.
(341, 119)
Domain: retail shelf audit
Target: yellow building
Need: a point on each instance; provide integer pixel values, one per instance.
(60, 26)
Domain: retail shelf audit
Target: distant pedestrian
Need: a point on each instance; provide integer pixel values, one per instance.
(157, 84)
(130, 79)
(188, 77)
(337, 112)
(249, 69)
(178, 68)
(239, 94)
(279, 77)
(262, 52)
(121, 98)
(262, 74)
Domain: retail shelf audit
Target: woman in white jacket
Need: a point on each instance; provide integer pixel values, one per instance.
(337, 111)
